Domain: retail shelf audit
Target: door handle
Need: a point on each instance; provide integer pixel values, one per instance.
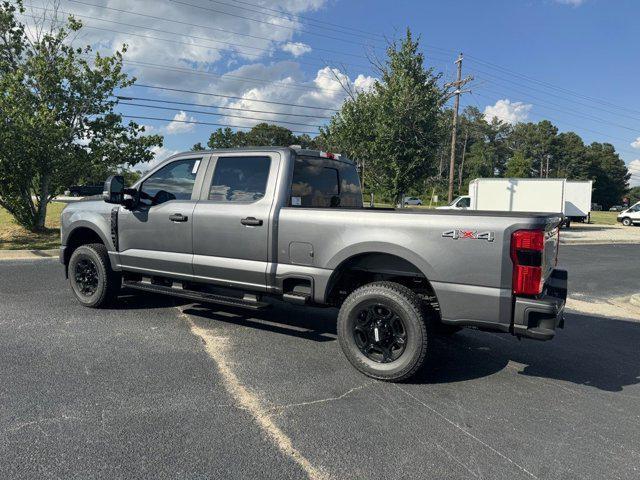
(251, 222)
(178, 217)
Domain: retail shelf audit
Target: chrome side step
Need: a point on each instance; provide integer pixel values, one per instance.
(249, 301)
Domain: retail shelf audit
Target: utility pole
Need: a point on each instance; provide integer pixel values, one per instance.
(457, 84)
(461, 168)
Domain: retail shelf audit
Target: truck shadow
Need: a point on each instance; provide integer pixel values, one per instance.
(316, 324)
(593, 351)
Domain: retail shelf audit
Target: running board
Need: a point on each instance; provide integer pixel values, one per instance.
(250, 301)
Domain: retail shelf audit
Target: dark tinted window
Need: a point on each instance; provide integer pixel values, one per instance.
(240, 179)
(318, 182)
(174, 181)
(465, 202)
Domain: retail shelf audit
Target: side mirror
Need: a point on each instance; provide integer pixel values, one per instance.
(113, 191)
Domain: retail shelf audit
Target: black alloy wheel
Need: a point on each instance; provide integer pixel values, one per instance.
(86, 277)
(379, 333)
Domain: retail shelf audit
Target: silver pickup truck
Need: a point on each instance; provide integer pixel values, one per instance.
(235, 227)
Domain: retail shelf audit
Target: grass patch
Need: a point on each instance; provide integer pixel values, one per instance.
(15, 237)
(604, 218)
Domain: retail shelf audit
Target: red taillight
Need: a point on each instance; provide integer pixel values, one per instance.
(527, 247)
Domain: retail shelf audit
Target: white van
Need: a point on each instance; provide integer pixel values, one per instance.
(630, 216)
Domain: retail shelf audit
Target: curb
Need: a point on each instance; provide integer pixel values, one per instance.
(28, 254)
(599, 242)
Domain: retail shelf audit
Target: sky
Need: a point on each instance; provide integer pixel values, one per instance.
(574, 62)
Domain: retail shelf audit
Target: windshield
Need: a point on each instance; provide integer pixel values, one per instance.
(461, 202)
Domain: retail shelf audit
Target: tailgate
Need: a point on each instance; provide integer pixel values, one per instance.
(551, 245)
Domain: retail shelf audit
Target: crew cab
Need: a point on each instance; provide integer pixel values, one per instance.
(240, 227)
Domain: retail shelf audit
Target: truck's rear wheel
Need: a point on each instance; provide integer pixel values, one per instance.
(92, 280)
(382, 331)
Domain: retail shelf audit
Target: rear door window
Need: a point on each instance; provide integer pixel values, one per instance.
(240, 179)
(325, 183)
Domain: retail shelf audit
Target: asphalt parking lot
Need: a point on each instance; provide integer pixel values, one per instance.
(160, 389)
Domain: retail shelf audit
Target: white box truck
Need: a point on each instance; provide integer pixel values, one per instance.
(577, 200)
(518, 194)
(545, 195)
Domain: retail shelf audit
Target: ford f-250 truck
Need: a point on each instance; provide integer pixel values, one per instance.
(235, 227)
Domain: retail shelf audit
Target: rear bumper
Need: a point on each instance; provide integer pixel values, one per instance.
(540, 317)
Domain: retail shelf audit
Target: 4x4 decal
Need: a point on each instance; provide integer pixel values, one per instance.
(470, 234)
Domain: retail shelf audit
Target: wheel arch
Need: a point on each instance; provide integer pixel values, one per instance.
(375, 264)
(82, 234)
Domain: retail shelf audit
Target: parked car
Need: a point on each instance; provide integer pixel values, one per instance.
(236, 227)
(406, 201)
(630, 216)
(85, 190)
(616, 208)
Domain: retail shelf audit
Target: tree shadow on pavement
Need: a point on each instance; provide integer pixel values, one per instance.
(594, 351)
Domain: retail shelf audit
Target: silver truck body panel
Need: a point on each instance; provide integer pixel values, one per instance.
(470, 275)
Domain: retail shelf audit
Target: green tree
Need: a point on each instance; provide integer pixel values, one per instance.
(197, 147)
(609, 172)
(396, 128)
(570, 157)
(536, 141)
(634, 195)
(519, 166)
(261, 135)
(57, 115)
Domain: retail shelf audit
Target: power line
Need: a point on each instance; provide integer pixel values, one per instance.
(471, 57)
(567, 123)
(599, 109)
(550, 85)
(268, 23)
(138, 117)
(174, 102)
(281, 16)
(292, 85)
(202, 112)
(297, 15)
(563, 109)
(209, 47)
(206, 27)
(169, 89)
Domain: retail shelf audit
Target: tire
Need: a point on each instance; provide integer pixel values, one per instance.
(626, 221)
(365, 307)
(92, 280)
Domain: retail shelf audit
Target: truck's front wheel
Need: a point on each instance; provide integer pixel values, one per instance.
(382, 331)
(92, 280)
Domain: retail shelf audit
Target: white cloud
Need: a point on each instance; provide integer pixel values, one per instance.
(178, 124)
(634, 170)
(507, 111)
(287, 86)
(573, 3)
(160, 155)
(636, 143)
(364, 84)
(168, 43)
(296, 48)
